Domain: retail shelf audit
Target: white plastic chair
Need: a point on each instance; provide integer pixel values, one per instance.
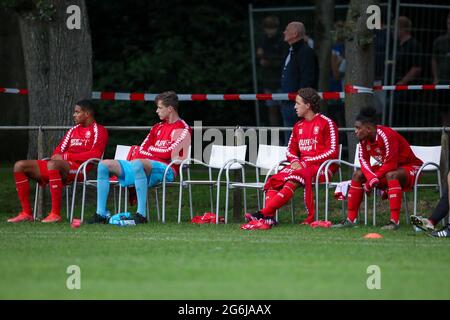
(355, 165)
(268, 160)
(327, 184)
(220, 155)
(120, 154)
(430, 157)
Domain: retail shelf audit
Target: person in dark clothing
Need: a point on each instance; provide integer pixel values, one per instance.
(439, 213)
(270, 53)
(408, 69)
(300, 70)
(440, 63)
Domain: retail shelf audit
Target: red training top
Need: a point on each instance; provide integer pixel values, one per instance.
(313, 142)
(390, 149)
(166, 142)
(82, 143)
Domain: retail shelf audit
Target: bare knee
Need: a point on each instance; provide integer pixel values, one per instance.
(20, 166)
(110, 164)
(358, 176)
(391, 176)
(52, 165)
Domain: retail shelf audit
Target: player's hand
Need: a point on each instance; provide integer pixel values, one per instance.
(368, 186)
(57, 157)
(296, 166)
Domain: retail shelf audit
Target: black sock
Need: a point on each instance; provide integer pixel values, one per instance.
(441, 210)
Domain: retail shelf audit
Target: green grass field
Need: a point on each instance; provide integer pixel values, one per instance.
(171, 261)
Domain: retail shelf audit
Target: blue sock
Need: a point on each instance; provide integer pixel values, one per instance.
(141, 185)
(102, 189)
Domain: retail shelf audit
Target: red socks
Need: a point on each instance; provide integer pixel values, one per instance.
(23, 191)
(279, 199)
(355, 195)
(395, 199)
(56, 185)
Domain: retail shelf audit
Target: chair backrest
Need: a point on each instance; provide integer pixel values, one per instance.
(428, 154)
(269, 156)
(356, 161)
(221, 154)
(122, 152)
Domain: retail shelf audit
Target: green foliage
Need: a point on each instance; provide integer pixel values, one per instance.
(201, 48)
(41, 10)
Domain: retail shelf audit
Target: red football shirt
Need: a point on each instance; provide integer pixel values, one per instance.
(166, 142)
(390, 149)
(82, 143)
(313, 142)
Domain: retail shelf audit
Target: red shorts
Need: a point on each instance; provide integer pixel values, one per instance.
(70, 176)
(411, 173)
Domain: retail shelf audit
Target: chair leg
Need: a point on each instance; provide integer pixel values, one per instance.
(405, 199)
(36, 199)
(157, 202)
(83, 201)
(227, 194)
(191, 208)
(293, 209)
(67, 203)
(326, 202)
(374, 205)
(180, 197)
(147, 208)
(125, 201)
(73, 201)
(115, 200)
(120, 199)
(211, 198)
(258, 197)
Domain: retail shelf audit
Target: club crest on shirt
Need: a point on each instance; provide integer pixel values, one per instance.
(378, 150)
(300, 131)
(159, 132)
(87, 135)
(316, 130)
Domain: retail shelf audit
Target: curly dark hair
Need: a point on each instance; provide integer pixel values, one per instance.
(309, 95)
(367, 115)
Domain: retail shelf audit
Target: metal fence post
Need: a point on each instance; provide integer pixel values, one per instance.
(40, 155)
(444, 156)
(239, 140)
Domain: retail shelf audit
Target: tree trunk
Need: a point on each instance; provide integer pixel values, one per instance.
(14, 107)
(324, 17)
(59, 70)
(359, 52)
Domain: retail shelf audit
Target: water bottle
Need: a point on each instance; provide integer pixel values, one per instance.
(126, 223)
(416, 229)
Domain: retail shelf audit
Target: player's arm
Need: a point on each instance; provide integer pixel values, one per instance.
(62, 146)
(143, 151)
(366, 168)
(180, 139)
(391, 158)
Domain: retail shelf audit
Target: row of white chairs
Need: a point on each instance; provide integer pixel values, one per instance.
(227, 159)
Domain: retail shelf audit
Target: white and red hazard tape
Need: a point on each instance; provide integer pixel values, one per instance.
(349, 89)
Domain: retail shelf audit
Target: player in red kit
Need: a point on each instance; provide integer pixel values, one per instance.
(314, 139)
(86, 140)
(167, 140)
(397, 169)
